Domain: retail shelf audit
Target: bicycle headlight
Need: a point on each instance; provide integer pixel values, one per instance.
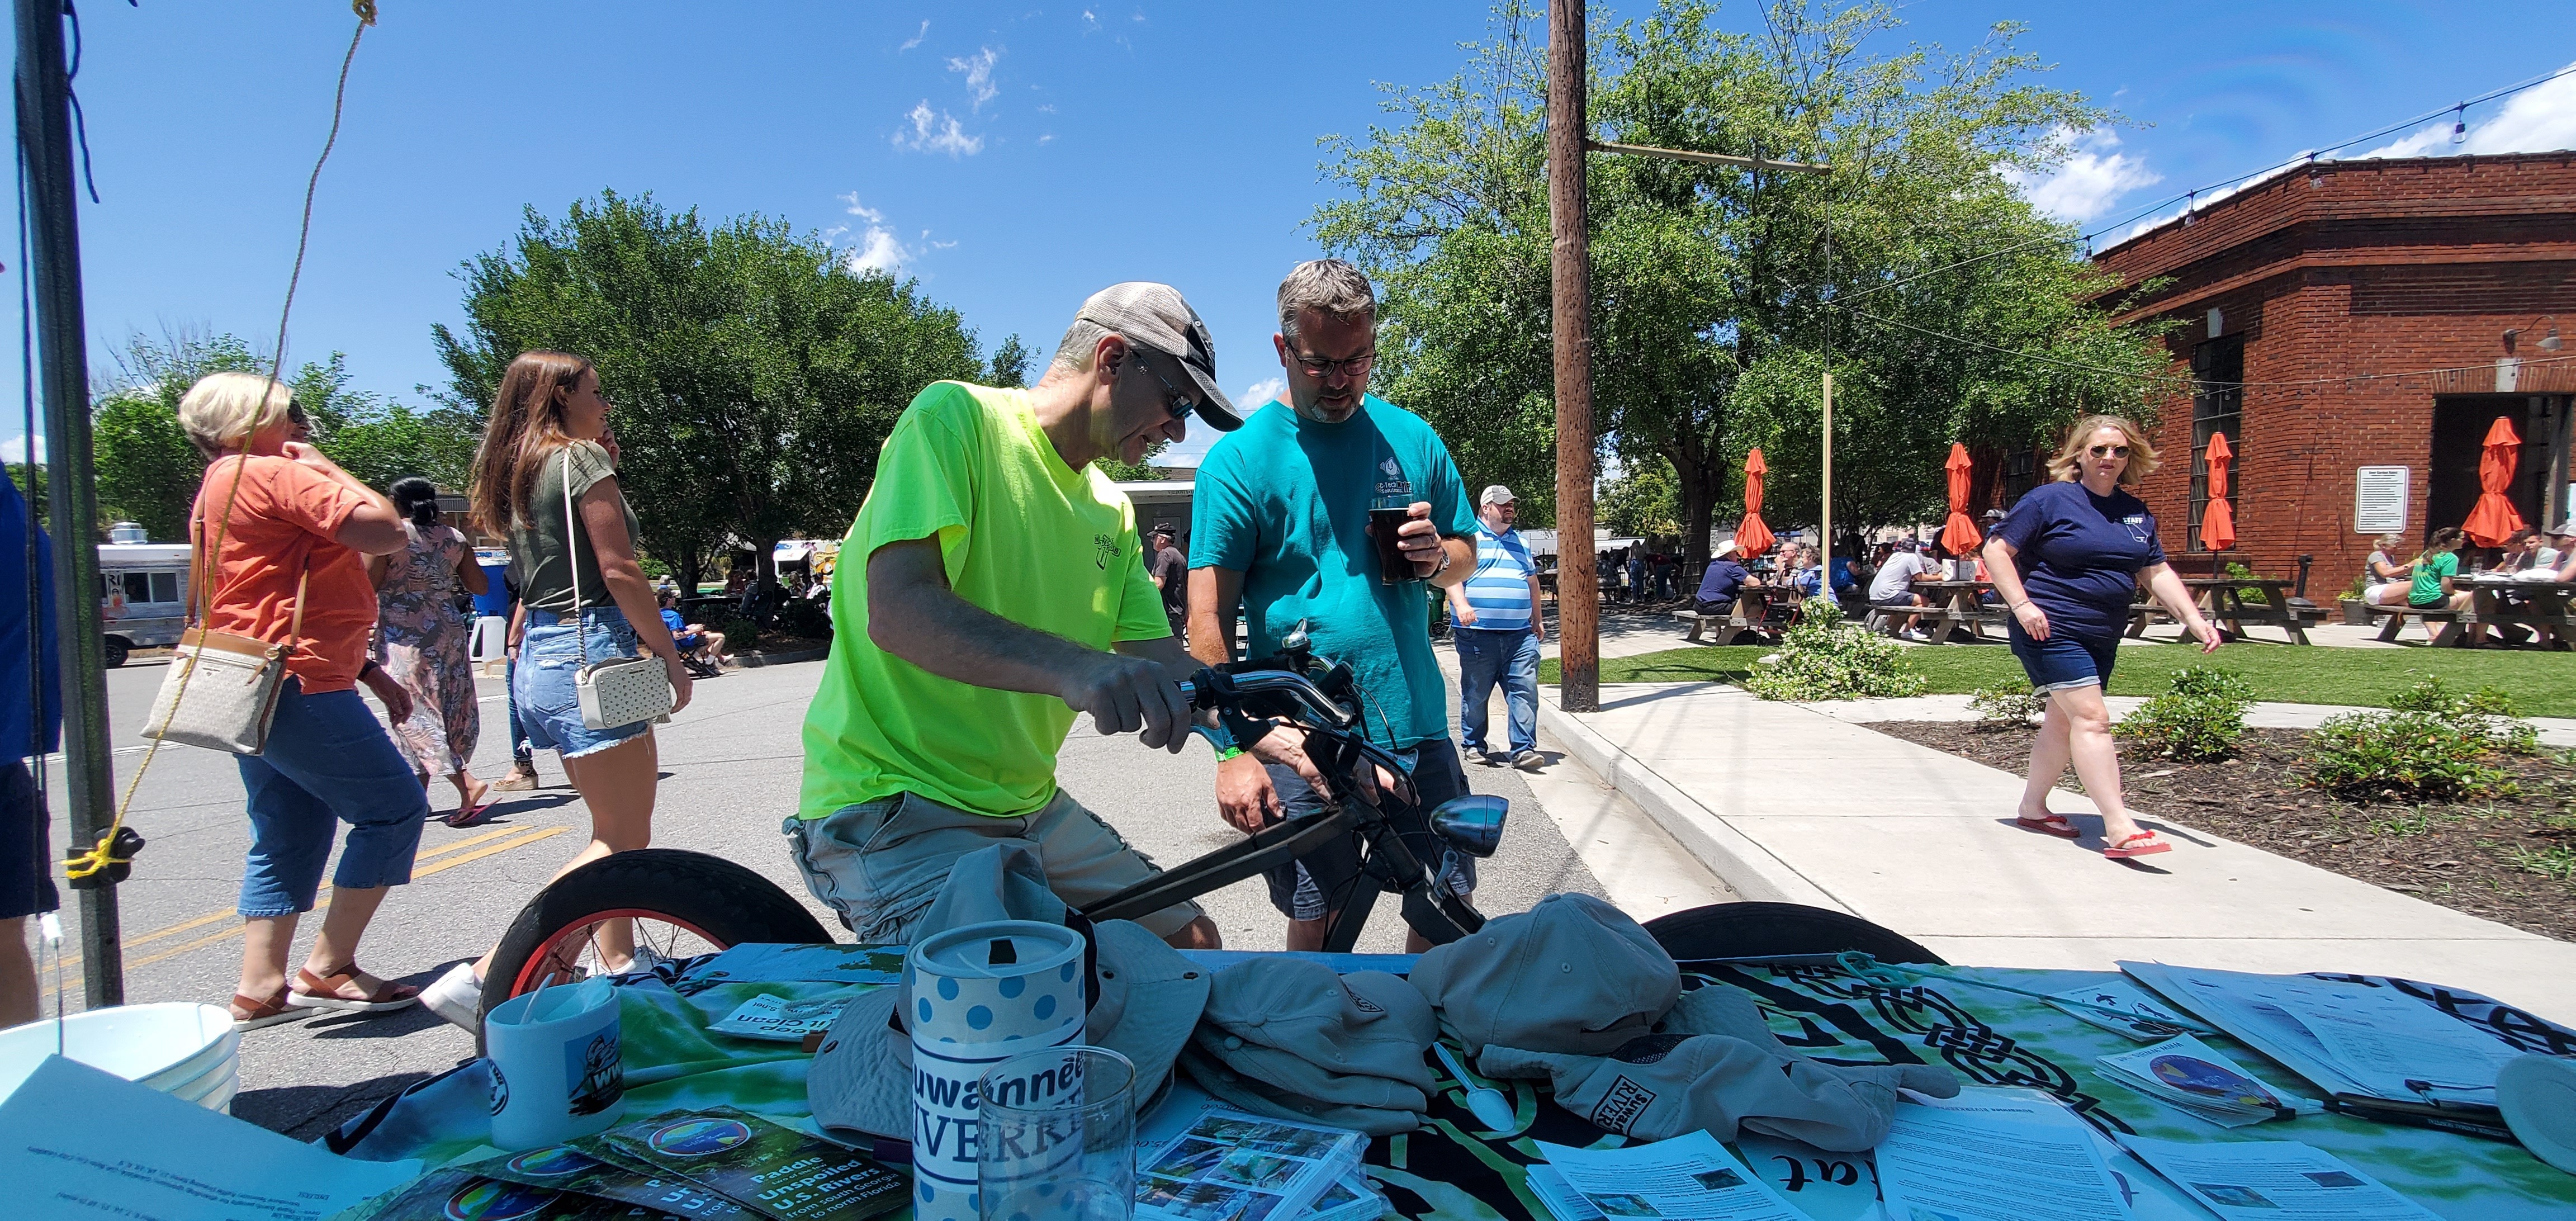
(1473, 823)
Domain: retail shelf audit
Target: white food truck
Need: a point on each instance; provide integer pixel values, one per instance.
(143, 596)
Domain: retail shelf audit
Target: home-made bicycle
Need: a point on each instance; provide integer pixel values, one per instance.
(682, 904)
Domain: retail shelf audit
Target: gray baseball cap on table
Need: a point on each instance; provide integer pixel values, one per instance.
(1289, 1037)
(1715, 1064)
(1572, 974)
(1156, 316)
(1149, 997)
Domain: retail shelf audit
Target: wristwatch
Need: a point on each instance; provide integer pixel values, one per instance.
(1442, 566)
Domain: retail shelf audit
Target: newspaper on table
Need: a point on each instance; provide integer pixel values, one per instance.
(2138, 1015)
(1691, 1178)
(2190, 1075)
(779, 1019)
(1235, 1166)
(2273, 1180)
(2344, 1038)
(769, 1169)
(1976, 1163)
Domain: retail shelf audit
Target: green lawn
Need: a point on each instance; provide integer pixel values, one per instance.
(2542, 684)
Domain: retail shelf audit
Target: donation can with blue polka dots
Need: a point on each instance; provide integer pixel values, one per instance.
(976, 996)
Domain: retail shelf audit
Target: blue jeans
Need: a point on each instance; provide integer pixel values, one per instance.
(542, 690)
(2064, 661)
(328, 760)
(1510, 657)
(521, 753)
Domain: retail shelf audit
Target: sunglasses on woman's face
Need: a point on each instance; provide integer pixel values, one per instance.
(2110, 451)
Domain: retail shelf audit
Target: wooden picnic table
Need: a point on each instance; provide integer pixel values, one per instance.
(1959, 604)
(1758, 608)
(2222, 601)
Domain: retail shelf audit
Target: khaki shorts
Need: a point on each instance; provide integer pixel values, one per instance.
(880, 863)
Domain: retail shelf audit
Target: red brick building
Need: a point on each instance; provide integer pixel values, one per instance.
(2310, 290)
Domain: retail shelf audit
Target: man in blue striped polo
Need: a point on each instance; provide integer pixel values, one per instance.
(1499, 630)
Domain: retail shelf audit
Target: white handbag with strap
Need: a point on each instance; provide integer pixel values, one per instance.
(619, 691)
(221, 689)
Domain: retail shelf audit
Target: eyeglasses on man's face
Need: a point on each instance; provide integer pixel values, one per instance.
(1179, 404)
(1321, 368)
(2110, 451)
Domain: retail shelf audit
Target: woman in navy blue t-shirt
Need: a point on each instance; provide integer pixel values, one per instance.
(2067, 559)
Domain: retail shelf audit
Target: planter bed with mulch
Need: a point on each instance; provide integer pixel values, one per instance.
(2479, 857)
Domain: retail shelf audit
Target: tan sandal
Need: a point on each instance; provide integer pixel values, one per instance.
(251, 1013)
(323, 992)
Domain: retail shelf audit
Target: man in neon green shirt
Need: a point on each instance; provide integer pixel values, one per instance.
(992, 588)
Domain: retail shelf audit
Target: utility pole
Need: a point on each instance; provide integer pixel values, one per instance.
(62, 360)
(1578, 577)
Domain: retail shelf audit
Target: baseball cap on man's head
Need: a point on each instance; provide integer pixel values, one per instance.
(1495, 494)
(1155, 315)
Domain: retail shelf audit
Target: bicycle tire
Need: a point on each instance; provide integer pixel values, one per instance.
(720, 901)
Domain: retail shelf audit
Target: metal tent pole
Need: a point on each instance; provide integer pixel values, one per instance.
(62, 358)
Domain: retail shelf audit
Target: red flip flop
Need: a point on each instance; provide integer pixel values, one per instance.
(472, 817)
(2141, 843)
(2054, 824)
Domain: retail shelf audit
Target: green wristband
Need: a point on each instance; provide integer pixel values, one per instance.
(1228, 753)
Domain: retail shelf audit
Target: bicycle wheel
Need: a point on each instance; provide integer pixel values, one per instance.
(675, 903)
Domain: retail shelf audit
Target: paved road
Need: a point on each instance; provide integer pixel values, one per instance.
(731, 765)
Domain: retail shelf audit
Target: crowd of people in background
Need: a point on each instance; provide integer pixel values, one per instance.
(2429, 580)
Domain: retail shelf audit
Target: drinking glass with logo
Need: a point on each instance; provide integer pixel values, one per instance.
(1057, 1137)
(1390, 506)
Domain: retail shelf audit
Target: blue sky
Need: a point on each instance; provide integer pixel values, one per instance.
(1014, 157)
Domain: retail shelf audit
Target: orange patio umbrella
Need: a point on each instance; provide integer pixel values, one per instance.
(1752, 538)
(2217, 519)
(1959, 535)
(2492, 520)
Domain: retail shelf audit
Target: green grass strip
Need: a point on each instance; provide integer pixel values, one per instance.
(2541, 684)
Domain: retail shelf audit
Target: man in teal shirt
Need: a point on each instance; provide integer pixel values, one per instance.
(1279, 530)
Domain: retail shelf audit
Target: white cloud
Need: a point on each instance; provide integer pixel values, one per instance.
(2537, 120)
(2093, 176)
(878, 249)
(1049, 136)
(1254, 395)
(936, 132)
(915, 40)
(978, 68)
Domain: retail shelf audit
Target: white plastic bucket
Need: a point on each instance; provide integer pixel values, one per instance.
(165, 1046)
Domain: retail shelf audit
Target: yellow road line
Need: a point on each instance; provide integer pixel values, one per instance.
(73, 960)
(324, 904)
(479, 853)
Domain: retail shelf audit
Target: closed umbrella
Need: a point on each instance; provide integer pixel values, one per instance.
(2217, 519)
(1752, 538)
(2492, 520)
(1959, 535)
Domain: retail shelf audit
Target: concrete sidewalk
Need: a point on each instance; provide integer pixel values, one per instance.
(2554, 731)
(1787, 803)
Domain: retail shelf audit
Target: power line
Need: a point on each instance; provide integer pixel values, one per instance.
(2185, 379)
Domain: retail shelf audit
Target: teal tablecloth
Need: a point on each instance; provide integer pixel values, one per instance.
(1454, 1170)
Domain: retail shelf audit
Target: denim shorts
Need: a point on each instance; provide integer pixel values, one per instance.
(541, 685)
(879, 864)
(329, 761)
(2064, 662)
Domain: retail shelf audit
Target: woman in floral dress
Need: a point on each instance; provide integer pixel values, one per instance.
(421, 641)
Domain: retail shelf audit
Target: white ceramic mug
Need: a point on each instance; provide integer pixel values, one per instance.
(557, 1072)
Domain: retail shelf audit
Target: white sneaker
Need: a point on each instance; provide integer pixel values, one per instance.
(1917, 636)
(458, 997)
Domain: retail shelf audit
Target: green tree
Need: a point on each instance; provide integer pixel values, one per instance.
(754, 374)
(1011, 363)
(1716, 300)
(1641, 501)
(148, 471)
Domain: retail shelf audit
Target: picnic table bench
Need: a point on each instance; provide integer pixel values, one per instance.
(2535, 604)
(1758, 608)
(2222, 600)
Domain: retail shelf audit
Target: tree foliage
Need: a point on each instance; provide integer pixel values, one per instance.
(1642, 501)
(754, 375)
(1717, 293)
(148, 472)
